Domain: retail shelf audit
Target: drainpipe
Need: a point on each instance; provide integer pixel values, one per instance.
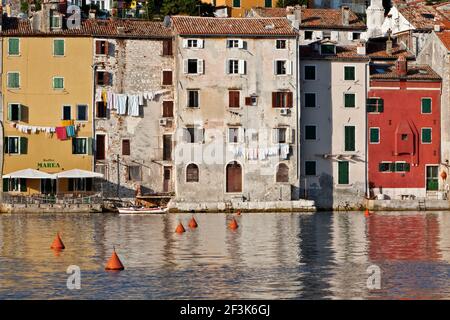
(366, 134)
(297, 80)
(94, 69)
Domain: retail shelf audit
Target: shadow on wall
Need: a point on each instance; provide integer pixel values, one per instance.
(109, 190)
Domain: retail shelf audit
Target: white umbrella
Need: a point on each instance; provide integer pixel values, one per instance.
(29, 174)
(78, 173)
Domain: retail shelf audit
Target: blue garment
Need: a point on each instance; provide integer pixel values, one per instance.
(70, 131)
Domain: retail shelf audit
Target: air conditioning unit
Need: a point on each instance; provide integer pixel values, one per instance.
(163, 122)
(284, 111)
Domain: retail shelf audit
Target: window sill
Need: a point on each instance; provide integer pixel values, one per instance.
(344, 186)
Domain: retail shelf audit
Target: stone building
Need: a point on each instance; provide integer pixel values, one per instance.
(133, 106)
(237, 110)
(334, 84)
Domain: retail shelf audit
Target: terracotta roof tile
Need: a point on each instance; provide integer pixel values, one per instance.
(187, 25)
(316, 18)
(415, 72)
(445, 38)
(376, 49)
(424, 17)
(91, 27)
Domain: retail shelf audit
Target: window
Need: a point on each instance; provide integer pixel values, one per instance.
(282, 67)
(235, 43)
(80, 184)
(282, 99)
(126, 147)
(134, 173)
(426, 135)
(401, 167)
(13, 46)
(101, 47)
(308, 35)
(167, 147)
(268, 3)
(356, 35)
(168, 109)
(194, 135)
(310, 132)
(281, 44)
(404, 137)
(328, 49)
(375, 105)
(193, 43)
(82, 114)
(192, 173)
(310, 100)
(426, 105)
(101, 110)
(282, 173)
(192, 99)
(13, 80)
(167, 77)
(236, 3)
(233, 99)
(310, 72)
(103, 78)
(11, 145)
(236, 66)
(14, 112)
(167, 47)
(349, 138)
(58, 83)
(55, 20)
(67, 113)
(58, 47)
(326, 34)
(374, 135)
(343, 174)
(310, 168)
(233, 135)
(281, 135)
(349, 73)
(193, 66)
(384, 167)
(15, 185)
(79, 145)
(349, 100)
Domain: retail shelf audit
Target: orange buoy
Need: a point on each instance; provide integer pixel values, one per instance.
(180, 228)
(233, 224)
(114, 263)
(193, 223)
(57, 243)
(366, 213)
(238, 212)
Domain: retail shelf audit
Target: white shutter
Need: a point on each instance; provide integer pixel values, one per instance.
(275, 135)
(350, 35)
(319, 34)
(275, 67)
(288, 67)
(185, 43)
(200, 66)
(241, 66)
(200, 43)
(240, 44)
(227, 68)
(289, 134)
(185, 65)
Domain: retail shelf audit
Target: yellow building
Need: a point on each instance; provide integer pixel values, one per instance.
(46, 85)
(239, 8)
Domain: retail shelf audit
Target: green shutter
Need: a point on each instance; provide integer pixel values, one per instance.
(343, 172)
(23, 185)
(407, 167)
(349, 100)
(13, 80)
(6, 145)
(380, 105)
(237, 3)
(268, 3)
(374, 135)
(13, 46)
(9, 112)
(58, 47)
(426, 105)
(426, 135)
(392, 167)
(90, 146)
(58, 83)
(349, 73)
(23, 145)
(5, 185)
(349, 138)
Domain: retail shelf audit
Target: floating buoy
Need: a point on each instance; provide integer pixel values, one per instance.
(114, 263)
(57, 243)
(238, 212)
(233, 224)
(366, 213)
(193, 223)
(180, 228)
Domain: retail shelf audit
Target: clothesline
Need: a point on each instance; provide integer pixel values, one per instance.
(260, 153)
(125, 103)
(69, 131)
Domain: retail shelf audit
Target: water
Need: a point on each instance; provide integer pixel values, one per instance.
(270, 256)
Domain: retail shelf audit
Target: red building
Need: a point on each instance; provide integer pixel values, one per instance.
(403, 108)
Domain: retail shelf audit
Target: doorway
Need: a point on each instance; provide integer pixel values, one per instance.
(432, 178)
(100, 147)
(234, 177)
(166, 179)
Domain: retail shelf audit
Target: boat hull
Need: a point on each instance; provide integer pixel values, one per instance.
(142, 210)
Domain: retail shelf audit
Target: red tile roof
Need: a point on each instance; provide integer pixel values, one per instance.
(415, 72)
(315, 18)
(376, 49)
(188, 25)
(424, 17)
(445, 38)
(92, 27)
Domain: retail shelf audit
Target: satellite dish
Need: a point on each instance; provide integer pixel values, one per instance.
(166, 21)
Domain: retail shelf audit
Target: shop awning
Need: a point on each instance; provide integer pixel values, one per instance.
(77, 173)
(29, 174)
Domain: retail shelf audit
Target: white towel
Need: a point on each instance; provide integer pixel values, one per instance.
(133, 105)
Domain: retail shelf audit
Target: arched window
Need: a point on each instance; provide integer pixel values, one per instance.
(234, 177)
(282, 173)
(192, 173)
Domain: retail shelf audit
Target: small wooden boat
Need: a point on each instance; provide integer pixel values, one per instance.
(142, 210)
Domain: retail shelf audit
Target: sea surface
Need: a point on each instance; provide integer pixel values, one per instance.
(323, 255)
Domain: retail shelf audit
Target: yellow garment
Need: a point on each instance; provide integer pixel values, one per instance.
(104, 96)
(66, 123)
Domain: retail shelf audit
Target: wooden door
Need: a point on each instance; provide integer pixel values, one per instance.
(166, 179)
(100, 147)
(234, 177)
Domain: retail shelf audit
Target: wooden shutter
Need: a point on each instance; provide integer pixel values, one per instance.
(90, 146)
(275, 100)
(23, 185)
(23, 145)
(234, 178)
(167, 47)
(106, 78)
(200, 43)
(233, 99)
(241, 66)
(185, 66)
(349, 138)
(290, 101)
(5, 185)
(343, 172)
(98, 45)
(248, 101)
(200, 65)
(126, 147)
(168, 109)
(167, 77)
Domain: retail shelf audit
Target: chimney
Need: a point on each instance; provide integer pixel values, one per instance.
(92, 13)
(361, 48)
(402, 66)
(345, 15)
(298, 14)
(389, 43)
(437, 28)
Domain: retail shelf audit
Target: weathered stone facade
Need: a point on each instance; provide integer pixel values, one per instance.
(136, 67)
